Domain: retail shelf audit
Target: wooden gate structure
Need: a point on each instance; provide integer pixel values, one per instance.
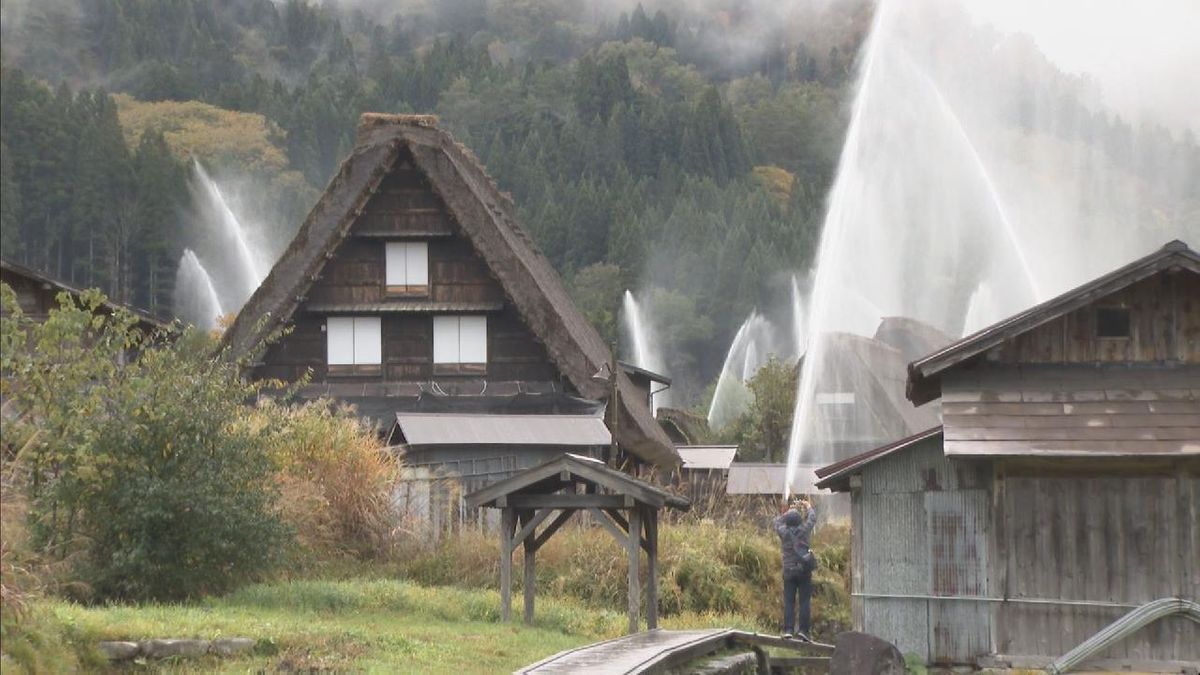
(625, 506)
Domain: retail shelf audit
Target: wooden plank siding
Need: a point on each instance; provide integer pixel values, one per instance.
(1123, 536)
(406, 207)
(1064, 410)
(1164, 315)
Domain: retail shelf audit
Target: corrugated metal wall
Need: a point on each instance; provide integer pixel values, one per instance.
(924, 530)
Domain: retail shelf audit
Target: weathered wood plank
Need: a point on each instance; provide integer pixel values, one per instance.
(507, 522)
(1072, 448)
(1085, 433)
(633, 551)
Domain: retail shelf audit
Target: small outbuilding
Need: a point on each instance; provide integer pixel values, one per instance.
(546, 496)
(1053, 519)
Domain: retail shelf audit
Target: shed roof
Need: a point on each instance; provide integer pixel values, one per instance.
(485, 429)
(836, 476)
(752, 478)
(706, 456)
(487, 218)
(924, 375)
(565, 472)
(144, 317)
(642, 372)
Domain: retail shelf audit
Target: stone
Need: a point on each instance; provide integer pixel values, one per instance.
(119, 651)
(732, 664)
(231, 646)
(863, 654)
(161, 649)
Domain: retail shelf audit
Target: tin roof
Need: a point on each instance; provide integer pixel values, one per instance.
(748, 478)
(836, 476)
(483, 429)
(565, 472)
(706, 456)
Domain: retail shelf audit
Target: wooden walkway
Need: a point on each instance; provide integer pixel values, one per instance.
(655, 651)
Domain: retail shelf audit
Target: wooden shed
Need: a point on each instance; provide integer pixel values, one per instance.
(1060, 496)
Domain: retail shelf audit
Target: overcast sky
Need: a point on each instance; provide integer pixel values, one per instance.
(1145, 54)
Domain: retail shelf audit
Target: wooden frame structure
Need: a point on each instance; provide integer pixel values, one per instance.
(554, 491)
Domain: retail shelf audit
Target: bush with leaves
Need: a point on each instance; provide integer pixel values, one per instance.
(138, 463)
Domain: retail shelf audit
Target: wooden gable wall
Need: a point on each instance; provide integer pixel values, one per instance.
(406, 208)
(1164, 321)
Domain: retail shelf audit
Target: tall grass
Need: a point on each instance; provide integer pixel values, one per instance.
(336, 479)
(704, 569)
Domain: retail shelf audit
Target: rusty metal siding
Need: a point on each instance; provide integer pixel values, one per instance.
(959, 630)
(924, 524)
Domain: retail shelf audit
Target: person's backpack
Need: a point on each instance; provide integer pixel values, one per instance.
(808, 559)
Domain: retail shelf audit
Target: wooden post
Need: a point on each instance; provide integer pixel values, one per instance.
(651, 568)
(530, 576)
(507, 517)
(633, 546)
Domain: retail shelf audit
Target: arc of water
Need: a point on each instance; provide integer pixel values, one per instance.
(833, 236)
(984, 175)
(229, 222)
(729, 374)
(194, 283)
(637, 331)
(797, 318)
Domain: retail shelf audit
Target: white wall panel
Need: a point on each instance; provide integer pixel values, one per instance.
(473, 339)
(445, 339)
(397, 263)
(417, 263)
(339, 336)
(368, 343)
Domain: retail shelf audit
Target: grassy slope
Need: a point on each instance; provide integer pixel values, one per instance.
(372, 625)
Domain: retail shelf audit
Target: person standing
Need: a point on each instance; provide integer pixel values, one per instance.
(795, 531)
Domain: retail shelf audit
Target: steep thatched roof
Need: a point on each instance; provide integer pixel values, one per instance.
(487, 218)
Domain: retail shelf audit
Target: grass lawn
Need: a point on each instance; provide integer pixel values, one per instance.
(362, 625)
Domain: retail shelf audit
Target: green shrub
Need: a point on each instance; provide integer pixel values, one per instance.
(141, 471)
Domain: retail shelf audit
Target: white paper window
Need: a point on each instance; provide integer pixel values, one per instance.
(407, 263)
(339, 332)
(460, 339)
(354, 340)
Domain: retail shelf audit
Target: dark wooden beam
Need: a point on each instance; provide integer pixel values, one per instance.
(507, 521)
(608, 524)
(544, 535)
(566, 500)
(531, 524)
(633, 550)
(624, 525)
(650, 542)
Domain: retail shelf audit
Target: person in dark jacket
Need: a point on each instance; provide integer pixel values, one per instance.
(795, 532)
